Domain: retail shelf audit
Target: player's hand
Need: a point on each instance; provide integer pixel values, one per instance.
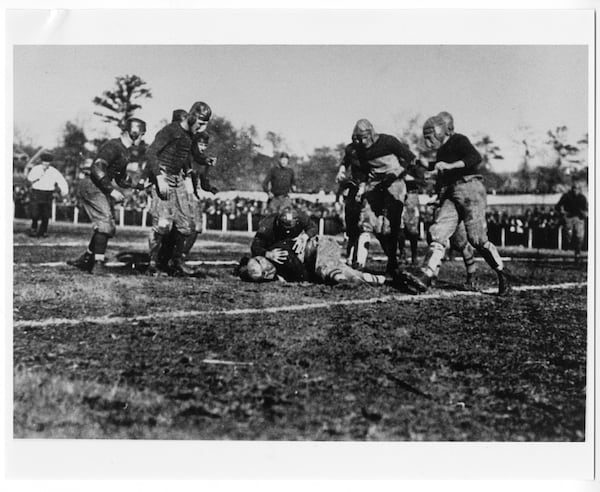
(442, 166)
(270, 195)
(117, 196)
(340, 176)
(277, 255)
(211, 161)
(300, 244)
(162, 186)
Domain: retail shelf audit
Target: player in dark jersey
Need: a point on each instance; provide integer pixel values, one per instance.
(98, 194)
(168, 162)
(349, 177)
(463, 199)
(281, 239)
(287, 246)
(198, 173)
(386, 161)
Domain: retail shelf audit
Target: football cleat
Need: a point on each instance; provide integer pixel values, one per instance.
(417, 281)
(85, 262)
(178, 268)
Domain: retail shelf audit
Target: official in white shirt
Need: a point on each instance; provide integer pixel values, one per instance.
(44, 179)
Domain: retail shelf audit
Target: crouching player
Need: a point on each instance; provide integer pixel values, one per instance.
(98, 194)
(286, 247)
(281, 240)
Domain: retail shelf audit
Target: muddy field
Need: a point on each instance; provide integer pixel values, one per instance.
(125, 356)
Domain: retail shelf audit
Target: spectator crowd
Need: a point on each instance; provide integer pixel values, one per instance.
(543, 221)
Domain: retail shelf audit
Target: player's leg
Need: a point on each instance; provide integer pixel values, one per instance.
(578, 235)
(444, 225)
(45, 211)
(35, 214)
(351, 219)
(471, 201)
(323, 261)
(367, 224)
(411, 217)
(162, 220)
(460, 243)
(196, 211)
(183, 222)
(101, 214)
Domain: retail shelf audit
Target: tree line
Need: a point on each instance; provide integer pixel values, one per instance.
(242, 165)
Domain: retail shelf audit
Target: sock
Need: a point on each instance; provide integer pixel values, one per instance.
(100, 243)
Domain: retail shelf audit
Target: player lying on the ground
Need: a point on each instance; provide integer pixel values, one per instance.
(286, 247)
(463, 200)
(99, 192)
(281, 239)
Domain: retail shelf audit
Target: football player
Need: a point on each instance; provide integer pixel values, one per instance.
(98, 193)
(386, 161)
(168, 162)
(281, 239)
(291, 250)
(348, 178)
(463, 199)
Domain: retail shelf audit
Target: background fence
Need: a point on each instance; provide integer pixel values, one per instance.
(550, 236)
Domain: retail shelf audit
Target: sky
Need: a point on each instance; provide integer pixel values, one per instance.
(313, 95)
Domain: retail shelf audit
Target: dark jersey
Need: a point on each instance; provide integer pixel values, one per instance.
(269, 234)
(574, 204)
(457, 148)
(171, 150)
(387, 156)
(200, 169)
(281, 178)
(110, 163)
(352, 164)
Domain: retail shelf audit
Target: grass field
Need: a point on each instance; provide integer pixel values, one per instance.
(126, 356)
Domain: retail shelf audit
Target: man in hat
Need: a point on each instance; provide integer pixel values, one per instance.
(279, 182)
(44, 179)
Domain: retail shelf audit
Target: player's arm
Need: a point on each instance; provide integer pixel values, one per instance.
(267, 181)
(293, 181)
(163, 139)
(99, 169)
(308, 225)
(470, 157)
